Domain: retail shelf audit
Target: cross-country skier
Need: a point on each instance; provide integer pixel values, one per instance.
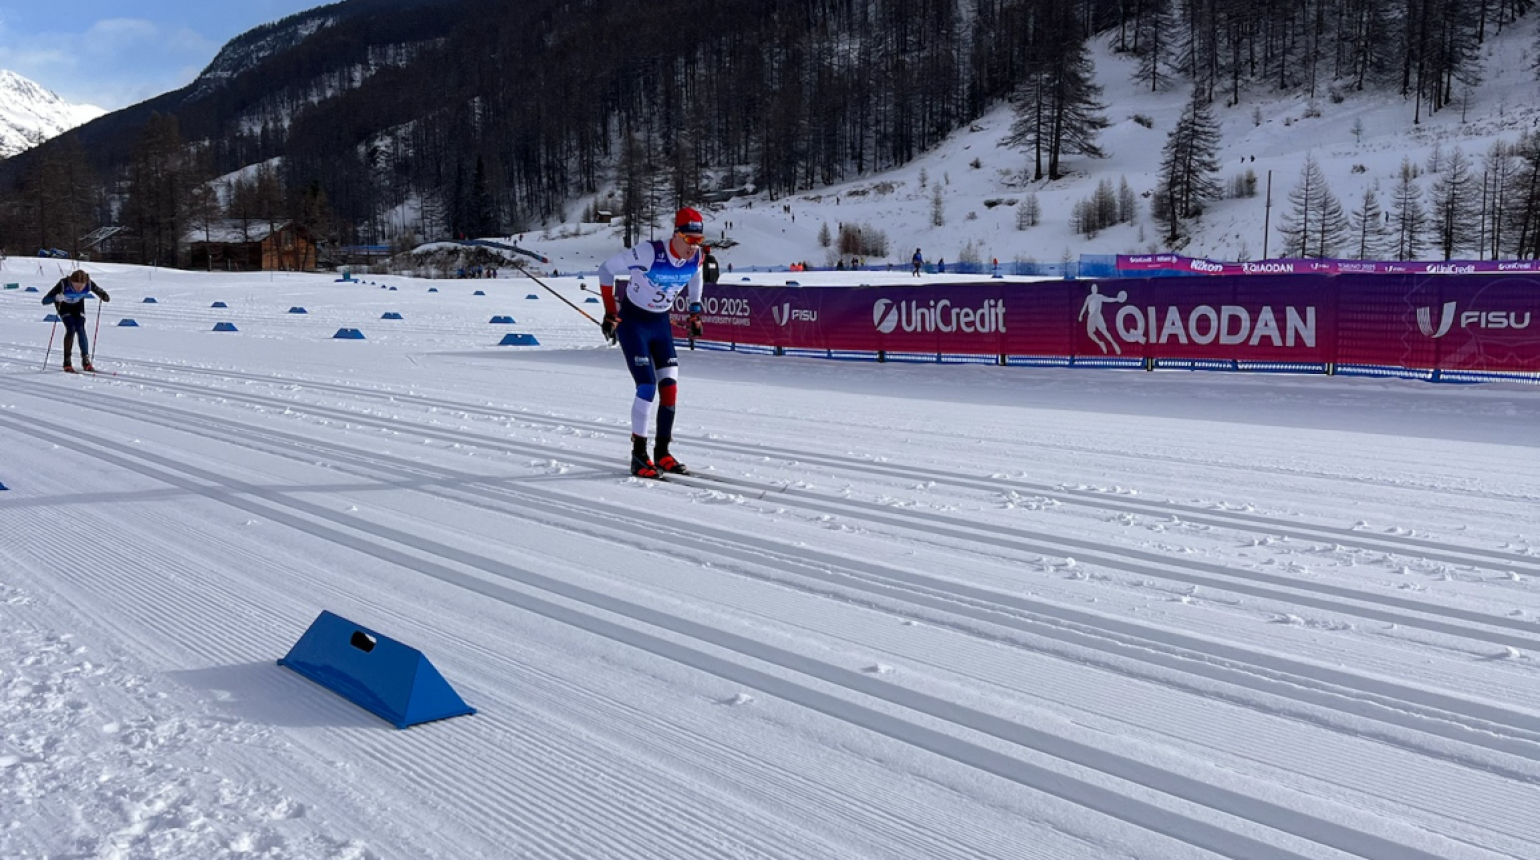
(638, 319)
(69, 299)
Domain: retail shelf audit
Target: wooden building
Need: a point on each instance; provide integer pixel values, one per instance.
(251, 246)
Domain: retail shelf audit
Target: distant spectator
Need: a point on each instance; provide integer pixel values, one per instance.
(917, 261)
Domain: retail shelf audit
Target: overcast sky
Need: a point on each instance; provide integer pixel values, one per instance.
(113, 54)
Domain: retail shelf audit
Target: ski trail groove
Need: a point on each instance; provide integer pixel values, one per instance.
(357, 533)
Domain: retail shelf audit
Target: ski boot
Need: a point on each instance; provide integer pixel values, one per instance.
(85, 362)
(68, 367)
(665, 462)
(641, 467)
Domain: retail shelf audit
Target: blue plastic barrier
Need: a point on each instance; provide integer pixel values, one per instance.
(13, 286)
(150, 300)
(128, 323)
(393, 681)
(518, 340)
(591, 300)
(433, 289)
(348, 334)
(479, 293)
(51, 318)
(503, 321)
(531, 297)
(30, 290)
(219, 305)
(390, 315)
(4, 487)
(224, 326)
(298, 310)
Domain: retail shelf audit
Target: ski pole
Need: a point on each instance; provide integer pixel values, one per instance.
(98, 329)
(521, 268)
(51, 333)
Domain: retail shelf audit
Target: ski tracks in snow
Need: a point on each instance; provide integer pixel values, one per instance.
(1478, 740)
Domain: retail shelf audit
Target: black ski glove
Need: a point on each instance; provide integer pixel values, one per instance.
(611, 322)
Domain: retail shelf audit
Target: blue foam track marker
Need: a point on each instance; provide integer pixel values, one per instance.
(479, 293)
(224, 326)
(390, 315)
(518, 340)
(128, 323)
(503, 321)
(150, 300)
(219, 305)
(387, 678)
(348, 334)
(298, 310)
(51, 318)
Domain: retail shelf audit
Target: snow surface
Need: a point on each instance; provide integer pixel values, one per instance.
(920, 611)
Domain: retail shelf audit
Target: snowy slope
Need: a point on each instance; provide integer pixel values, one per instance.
(30, 114)
(925, 612)
(1505, 105)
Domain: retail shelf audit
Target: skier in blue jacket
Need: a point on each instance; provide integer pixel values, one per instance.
(69, 301)
(638, 320)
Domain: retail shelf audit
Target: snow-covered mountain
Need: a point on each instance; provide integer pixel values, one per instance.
(30, 114)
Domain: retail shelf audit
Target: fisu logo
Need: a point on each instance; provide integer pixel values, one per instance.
(786, 314)
(1446, 321)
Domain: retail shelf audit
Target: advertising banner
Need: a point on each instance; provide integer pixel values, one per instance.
(1197, 266)
(1447, 322)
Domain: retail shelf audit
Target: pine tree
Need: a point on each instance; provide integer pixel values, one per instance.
(60, 195)
(1496, 178)
(1058, 105)
(1408, 222)
(159, 178)
(937, 207)
(1451, 206)
(1030, 214)
(1523, 198)
(1189, 163)
(1370, 235)
(1128, 204)
(1155, 44)
(1316, 225)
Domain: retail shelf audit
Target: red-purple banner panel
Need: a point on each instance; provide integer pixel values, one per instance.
(1478, 323)
(1261, 318)
(1475, 323)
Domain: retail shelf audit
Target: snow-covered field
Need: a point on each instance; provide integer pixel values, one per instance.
(926, 612)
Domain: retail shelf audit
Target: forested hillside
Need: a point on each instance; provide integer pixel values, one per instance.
(379, 120)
